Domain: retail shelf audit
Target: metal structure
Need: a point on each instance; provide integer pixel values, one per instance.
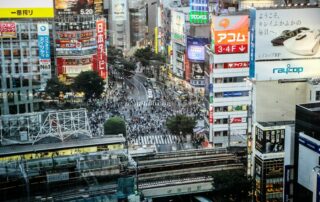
(32, 127)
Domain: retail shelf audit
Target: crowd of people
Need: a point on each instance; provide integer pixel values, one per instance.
(143, 118)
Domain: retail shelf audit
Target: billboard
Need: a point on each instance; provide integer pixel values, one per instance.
(26, 9)
(199, 12)
(177, 26)
(101, 57)
(197, 70)
(8, 30)
(196, 49)
(269, 141)
(284, 34)
(78, 7)
(230, 34)
(44, 44)
(119, 10)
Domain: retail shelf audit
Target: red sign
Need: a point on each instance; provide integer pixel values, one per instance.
(101, 57)
(8, 30)
(229, 49)
(236, 65)
(236, 120)
(211, 115)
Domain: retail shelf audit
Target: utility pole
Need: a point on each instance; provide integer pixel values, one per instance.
(229, 132)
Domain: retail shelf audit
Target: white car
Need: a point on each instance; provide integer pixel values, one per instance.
(150, 94)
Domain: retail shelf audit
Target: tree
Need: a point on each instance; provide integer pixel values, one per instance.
(114, 126)
(125, 68)
(54, 87)
(90, 83)
(114, 54)
(181, 124)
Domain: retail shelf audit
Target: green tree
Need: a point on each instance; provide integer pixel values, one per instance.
(54, 87)
(114, 54)
(181, 123)
(114, 126)
(90, 83)
(125, 67)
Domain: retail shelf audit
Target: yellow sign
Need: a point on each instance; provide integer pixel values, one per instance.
(26, 12)
(156, 45)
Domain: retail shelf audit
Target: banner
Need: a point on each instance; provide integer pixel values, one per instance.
(230, 34)
(26, 9)
(119, 10)
(197, 70)
(78, 7)
(199, 12)
(270, 141)
(177, 27)
(101, 57)
(196, 49)
(44, 44)
(8, 30)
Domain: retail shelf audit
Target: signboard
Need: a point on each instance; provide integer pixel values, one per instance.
(197, 70)
(236, 65)
(196, 49)
(119, 10)
(78, 7)
(235, 93)
(8, 30)
(44, 44)
(237, 120)
(270, 141)
(284, 34)
(230, 34)
(101, 57)
(26, 9)
(199, 12)
(177, 26)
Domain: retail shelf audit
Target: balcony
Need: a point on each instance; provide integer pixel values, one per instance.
(222, 87)
(221, 115)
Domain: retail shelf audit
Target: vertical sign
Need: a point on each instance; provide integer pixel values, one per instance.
(101, 48)
(156, 45)
(44, 43)
(252, 42)
(119, 10)
(199, 11)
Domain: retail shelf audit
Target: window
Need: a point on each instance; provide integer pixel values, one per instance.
(317, 95)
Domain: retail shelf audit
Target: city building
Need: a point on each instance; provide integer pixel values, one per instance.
(80, 34)
(25, 55)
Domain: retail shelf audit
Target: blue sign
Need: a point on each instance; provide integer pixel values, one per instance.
(235, 93)
(196, 48)
(43, 42)
(252, 42)
(287, 70)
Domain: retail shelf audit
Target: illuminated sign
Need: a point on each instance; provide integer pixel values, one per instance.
(101, 57)
(44, 44)
(288, 70)
(177, 26)
(26, 9)
(198, 11)
(8, 30)
(230, 34)
(236, 65)
(196, 49)
(78, 7)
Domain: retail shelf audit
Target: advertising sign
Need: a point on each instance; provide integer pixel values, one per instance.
(199, 12)
(78, 7)
(177, 26)
(236, 65)
(196, 49)
(197, 70)
(270, 141)
(101, 57)
(44, 44)
(235, 93)
(230, 34)
(287, 34)
(8, 30)
(119, 10)
(26, 9)
(237, 120)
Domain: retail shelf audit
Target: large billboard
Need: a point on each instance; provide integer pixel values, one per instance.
(269, 141)
(101, 57)
(119, 10)
(196, 48)
(26, 9)
(8, 30)
(230, 34)
(177, 26)
(199, 12)
(78, 7)
(284, 34)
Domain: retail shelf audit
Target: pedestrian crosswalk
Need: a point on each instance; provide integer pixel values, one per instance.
(155, 139)
(151, 102)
